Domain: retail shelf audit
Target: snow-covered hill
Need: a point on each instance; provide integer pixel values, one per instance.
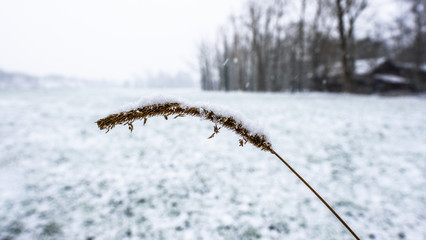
(17, 80)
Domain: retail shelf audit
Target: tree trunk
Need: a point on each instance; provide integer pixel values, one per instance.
(301, 51)
(346, 78)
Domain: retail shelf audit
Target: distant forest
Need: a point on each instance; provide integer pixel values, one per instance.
(282, 45)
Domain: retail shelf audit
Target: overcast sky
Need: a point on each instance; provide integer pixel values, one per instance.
(113, 39)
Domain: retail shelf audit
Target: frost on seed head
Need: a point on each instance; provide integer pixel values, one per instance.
(166, 106)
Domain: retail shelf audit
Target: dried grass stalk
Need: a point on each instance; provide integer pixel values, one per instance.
(179, 110)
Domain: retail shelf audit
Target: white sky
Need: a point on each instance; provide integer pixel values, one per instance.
(112, 39)
(106, 38)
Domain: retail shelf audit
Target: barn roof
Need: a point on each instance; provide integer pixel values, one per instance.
(391, 78)
(362, 67)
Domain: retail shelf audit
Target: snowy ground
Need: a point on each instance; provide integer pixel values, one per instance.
(62, 178)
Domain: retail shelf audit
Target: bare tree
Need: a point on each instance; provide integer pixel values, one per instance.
(401, 39)
(347, 12)
(276, 51)
(301, 48)
(418, 9)
(254, 24)
(238, 55)
(206, 67)
(319, 35)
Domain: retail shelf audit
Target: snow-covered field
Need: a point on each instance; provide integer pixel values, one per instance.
(62, 178)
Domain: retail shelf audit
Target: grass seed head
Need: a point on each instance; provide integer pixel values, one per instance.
(179, 110)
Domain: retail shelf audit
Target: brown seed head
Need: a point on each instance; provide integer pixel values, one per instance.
(179, 110)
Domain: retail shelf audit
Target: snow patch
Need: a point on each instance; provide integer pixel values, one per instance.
(391, 78)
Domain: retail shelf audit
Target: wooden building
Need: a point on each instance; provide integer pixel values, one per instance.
(374, 76)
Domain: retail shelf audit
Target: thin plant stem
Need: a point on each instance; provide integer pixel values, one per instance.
(317, 194)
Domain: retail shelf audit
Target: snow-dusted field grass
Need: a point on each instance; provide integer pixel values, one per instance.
(62, 178)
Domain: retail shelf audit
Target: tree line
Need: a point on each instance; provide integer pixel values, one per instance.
(280, 45)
